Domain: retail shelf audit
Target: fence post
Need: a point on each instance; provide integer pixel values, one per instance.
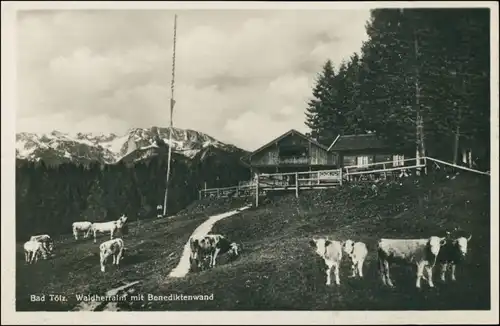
(340, 173)
(199, 194)
(296, 185)
(385, 173)
(218, 193)
(257, 191)
(317, 175)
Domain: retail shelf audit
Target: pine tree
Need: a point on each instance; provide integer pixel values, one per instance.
(318, 111)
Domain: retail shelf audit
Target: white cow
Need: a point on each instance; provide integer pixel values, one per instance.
(47, 243)
(85, 227)
(208, 247)
(113, 247)
(421, 252)
(331, 252)
(110, 227)
(452, 253)
(357, 252)
(32, 250)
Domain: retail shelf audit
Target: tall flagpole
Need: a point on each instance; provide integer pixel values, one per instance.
(172, 103)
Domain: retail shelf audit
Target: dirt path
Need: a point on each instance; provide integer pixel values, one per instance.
(183, 267)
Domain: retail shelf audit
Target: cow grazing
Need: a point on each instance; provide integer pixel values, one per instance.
(331, 252)
(204, 250)
(85, 227)
(32, 250)
(47, 243)
(196, 254)
(357, 252)
(421, 252)
(114, 248)
(452, 253)
(110, 227)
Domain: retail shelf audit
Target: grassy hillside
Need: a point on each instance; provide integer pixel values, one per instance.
(153, 248)
(278, 270)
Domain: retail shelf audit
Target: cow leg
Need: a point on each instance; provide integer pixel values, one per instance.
(95, 236)
(114, 259)
(387, 273)
(208, 263)
(428, 269)
(453, 267)
(75, 233)
(336, 273)
(360, 268)
(119, 257)
(420, 274)
(381, 270)
(328, 274)
(353, 269)
(444, 267)
(215, 256)
(103, 258)
(111, 235)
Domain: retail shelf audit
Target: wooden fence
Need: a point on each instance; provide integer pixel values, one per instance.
(245, 189)
(383, 170)
(295, 181)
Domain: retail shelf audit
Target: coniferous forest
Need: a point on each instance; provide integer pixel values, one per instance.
(49, 198)
(422, 72)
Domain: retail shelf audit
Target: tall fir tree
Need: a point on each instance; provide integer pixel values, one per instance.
(319, 112)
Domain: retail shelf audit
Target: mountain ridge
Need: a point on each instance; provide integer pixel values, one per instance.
(112, 148)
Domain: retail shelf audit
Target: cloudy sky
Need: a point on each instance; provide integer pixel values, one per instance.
(242, 77)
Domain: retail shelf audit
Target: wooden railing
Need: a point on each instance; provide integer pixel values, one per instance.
(322, 179)
(382, 170)
(308, 178)
(245, 189)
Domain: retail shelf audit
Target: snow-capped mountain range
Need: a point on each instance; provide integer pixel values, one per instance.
(111, 148)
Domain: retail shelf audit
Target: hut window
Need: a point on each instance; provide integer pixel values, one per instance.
(398, 160)
(362, 160)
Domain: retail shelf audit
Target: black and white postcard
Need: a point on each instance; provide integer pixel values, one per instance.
(249, 162)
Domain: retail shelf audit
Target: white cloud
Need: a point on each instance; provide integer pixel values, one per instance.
(235, 70)
(252, 130)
